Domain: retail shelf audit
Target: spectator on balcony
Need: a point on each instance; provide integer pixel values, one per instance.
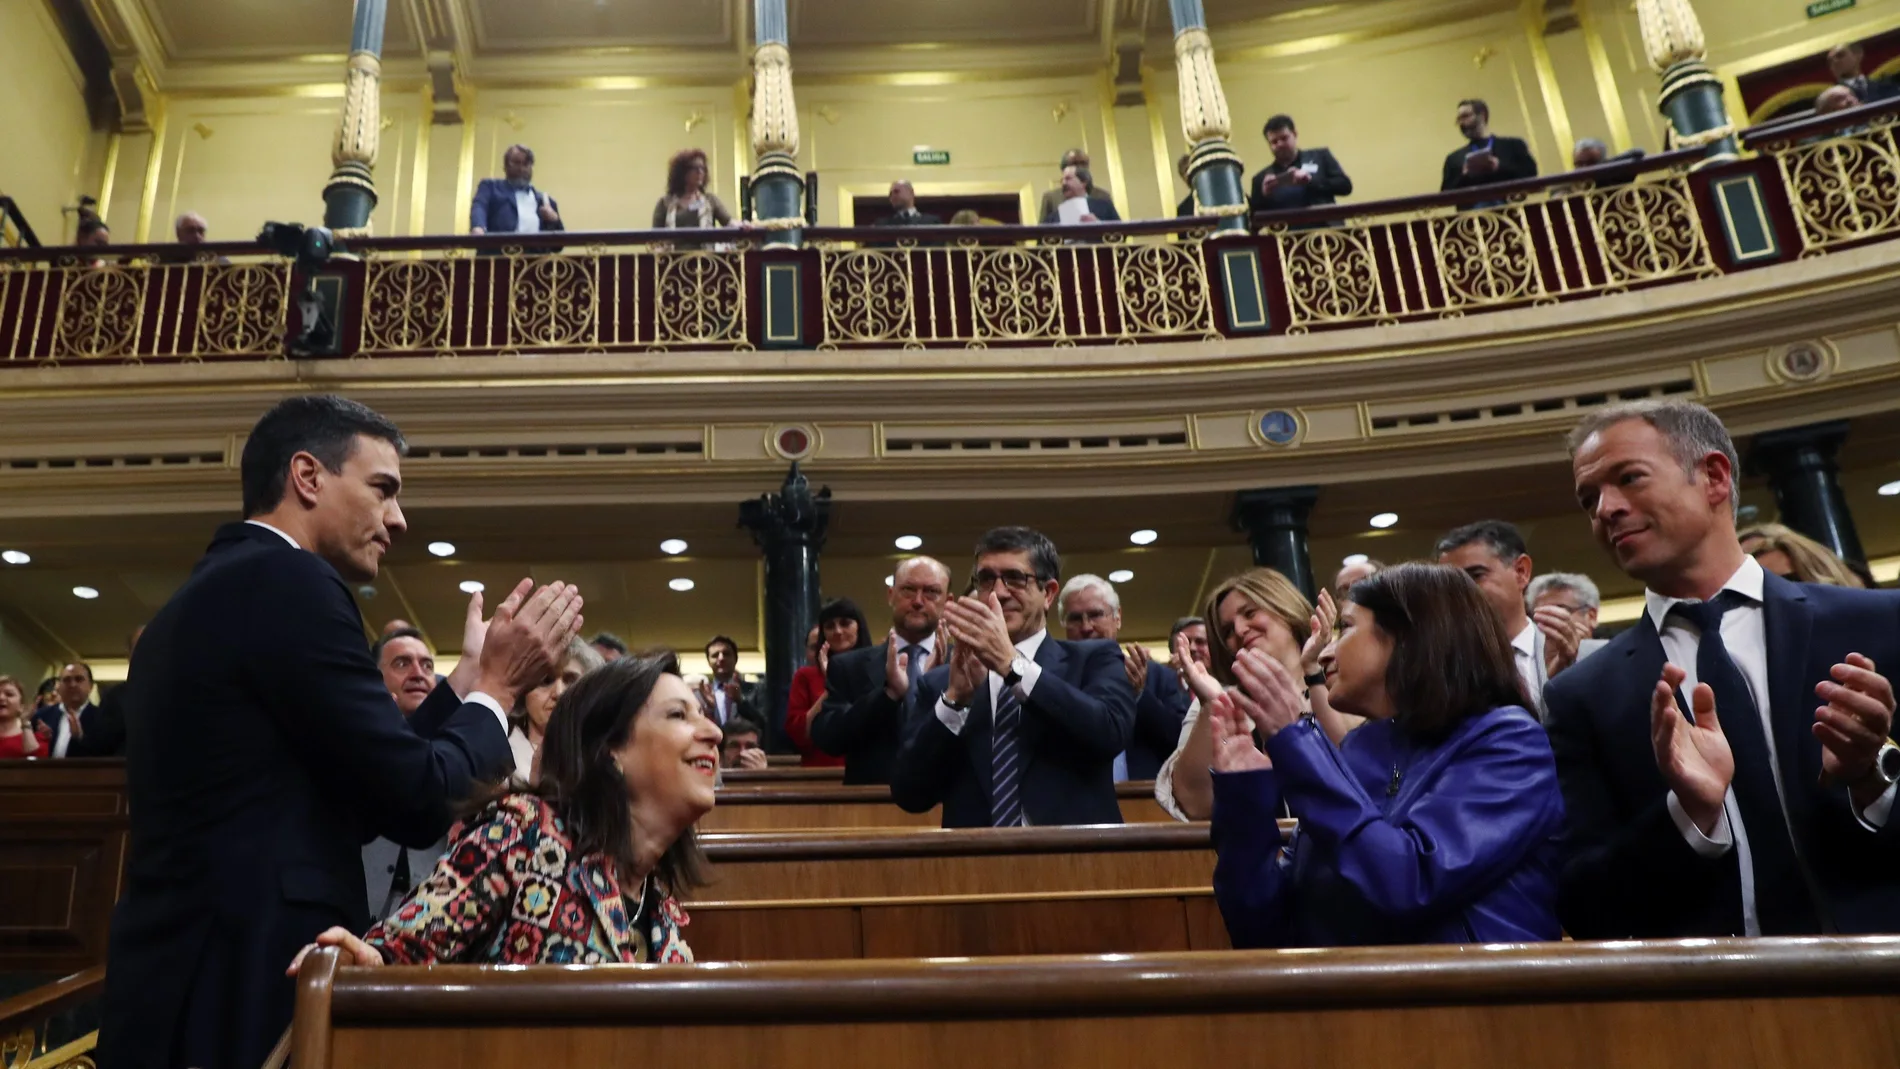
(512, 205)
(1297, 178)
(904, 208)
(1080, 204)
(966, 217)
(1836, 98)
(1075, 157)
(93, 233)
(1591, 152)
(688, 204)
(1486, 159)
(1844, 61)
(19, 737)
(609, 646)
(191, 229)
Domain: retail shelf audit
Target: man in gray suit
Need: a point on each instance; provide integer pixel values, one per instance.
(1573, 596)
(390, 870)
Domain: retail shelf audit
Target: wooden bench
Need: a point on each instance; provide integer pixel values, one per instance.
(1696, 1004)
(756, 806)
(896, 893)
(782, 774)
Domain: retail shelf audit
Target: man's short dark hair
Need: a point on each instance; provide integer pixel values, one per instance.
(1504, 539)
(1279, 122)
(47, 686)
(381, 644)
(324, 425)
(610, 641)
(1451, 659)
(722, 640)
(80, 664)
(1476, 105)
(1042, 552)
(527, 153)
(1183, 624)
(89, 226)
(739, 725)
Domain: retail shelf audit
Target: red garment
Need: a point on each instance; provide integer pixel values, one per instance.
(14, 746)
(808, 685)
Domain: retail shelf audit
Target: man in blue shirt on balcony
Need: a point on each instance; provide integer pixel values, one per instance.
(512, 205)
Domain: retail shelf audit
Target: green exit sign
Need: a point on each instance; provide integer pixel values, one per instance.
(1828, 7)
(940, 157)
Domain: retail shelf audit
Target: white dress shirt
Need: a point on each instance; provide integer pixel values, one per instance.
(1744, 634)
(1527, 647)
(477, 697)
(63, 733)
(954, 718)
(527, 212)
(524, 755)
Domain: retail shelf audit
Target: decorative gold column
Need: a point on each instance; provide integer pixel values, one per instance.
(1691, 93)
(778, 186)
(350, 195)
(1213, 168)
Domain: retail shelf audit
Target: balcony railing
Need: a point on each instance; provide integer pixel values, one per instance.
(1816, 186)
(15, 231)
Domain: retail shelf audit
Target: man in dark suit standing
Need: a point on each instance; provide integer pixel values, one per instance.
(1844, 62)
(904, 208)
(264, 748)
(1019, 728)
(1297, 178)
(1089, 609)
(512, 205)
(1485, 159)
(1774, 819)
(726, 694)
(73, 723)
(862, 718)
(1078, 187)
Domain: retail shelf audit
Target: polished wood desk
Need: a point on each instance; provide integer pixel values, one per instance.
(1698, 1004)
(899, 893)
(62, 857)
(754, 806)
(784, 774)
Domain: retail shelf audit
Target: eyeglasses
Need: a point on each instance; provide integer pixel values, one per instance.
(928, 593)
(1090, 617)
(1012, 579)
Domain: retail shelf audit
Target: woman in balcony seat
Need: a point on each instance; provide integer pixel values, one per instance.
(587, 866)
(1436, 822)
(1259, 609)
(688, 204)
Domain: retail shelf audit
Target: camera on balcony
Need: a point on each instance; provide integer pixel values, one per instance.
(311, 247)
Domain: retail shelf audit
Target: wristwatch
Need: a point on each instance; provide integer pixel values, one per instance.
(1017, 666)
(1316, 679)
(1886, 766)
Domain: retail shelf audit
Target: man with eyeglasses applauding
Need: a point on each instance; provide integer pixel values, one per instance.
(1018, 728)
(862, 716)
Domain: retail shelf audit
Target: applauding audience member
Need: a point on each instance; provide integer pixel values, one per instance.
(1019, 728)
(586, 867)
(1258, 609)
(1187, 641)
(1796, 557)
(528, 721)
(739, 747)
(862, 716)
(71, 723)
(841, 629)
(1493, 554)
(725, 693)
(1773, 818)
(1090, 609)
(1436, 822)
(1575, 601)
(18, 736)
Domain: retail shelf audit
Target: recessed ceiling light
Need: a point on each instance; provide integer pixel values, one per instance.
(472, 586)
(1891, 489)
(85, 592)
(1143, 537)
(1120, 576)
(673, 547)
(442, 549)
(908, 542)
(1385, 519)
(14, 556)
(1353, 559)
(682, 585)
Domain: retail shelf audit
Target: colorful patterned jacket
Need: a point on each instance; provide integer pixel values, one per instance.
(510, 891)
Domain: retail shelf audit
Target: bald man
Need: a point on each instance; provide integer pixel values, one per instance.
(904, 208)
(1843, 61)
(191, 229)
(862, 718)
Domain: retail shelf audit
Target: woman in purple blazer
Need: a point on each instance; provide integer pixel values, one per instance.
(1438, 821)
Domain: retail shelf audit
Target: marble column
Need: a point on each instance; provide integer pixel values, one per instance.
(1691, 94)
(1799, 464)
(778, 186)
(350, 195)
(1275, 524)
(789, 527)
(1213, 169)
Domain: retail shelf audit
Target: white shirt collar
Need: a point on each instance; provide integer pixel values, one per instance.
(1525, 641)
(1028, 647)
(928, 642)
(275, 531)
(1747, 581)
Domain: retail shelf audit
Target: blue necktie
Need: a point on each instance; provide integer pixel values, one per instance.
(1006, 761)
(1782, 903)
(915, 666)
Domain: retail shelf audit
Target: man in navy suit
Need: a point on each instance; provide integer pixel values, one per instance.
(1079, 184)
(512, 205)
(1091, 609)
(862, 718)
(74, 723)
(1725, 762)
(264, 748)
(1019, 728)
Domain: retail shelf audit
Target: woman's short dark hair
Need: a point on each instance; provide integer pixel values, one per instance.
(578, 778)
(1450, 656)
(677, 167)
(845, 609)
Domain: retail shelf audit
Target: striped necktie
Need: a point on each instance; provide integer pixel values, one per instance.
(1006, 761)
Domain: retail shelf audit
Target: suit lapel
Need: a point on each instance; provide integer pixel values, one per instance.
(1646, 659)
(1053, 659)
(1787, 624)
(608, 903)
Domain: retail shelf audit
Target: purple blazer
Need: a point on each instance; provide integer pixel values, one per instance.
(1454, 841)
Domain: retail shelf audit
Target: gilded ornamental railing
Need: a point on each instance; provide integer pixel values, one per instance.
(1842, 173)
(85, 307)
(32, 1035)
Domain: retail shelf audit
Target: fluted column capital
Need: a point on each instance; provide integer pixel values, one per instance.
(774, 111)
(1671, 33)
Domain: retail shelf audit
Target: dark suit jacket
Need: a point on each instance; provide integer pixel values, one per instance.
(912, 219)
(1329, 182)
(1628, 872)
(1101, 208)
(1514, 162)
(97, 740)
(1160, 709)
(263, 751)
(493, 208)
(858, 721)
(1080, 715)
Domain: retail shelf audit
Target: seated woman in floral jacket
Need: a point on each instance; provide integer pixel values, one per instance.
(586, 866)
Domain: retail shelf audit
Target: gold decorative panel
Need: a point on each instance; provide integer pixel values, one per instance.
(1845, 188)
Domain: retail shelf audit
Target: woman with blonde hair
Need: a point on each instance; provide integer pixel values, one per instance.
(1794, 556)
(1258, 609)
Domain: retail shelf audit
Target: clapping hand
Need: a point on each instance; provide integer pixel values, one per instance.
(355, 951)
(966, 674)
(1135, 662)
(547, 212)
(1694, 758)
(1204, 686)
(1268, 693)
(897, 668)
(977, 624)
(1325, 618)
(524, 643)
(1234, 750)
(1563, 636)
(1855, 722)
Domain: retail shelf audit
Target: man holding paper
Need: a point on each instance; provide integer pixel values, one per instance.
(1077, 206)
(1485, 159)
